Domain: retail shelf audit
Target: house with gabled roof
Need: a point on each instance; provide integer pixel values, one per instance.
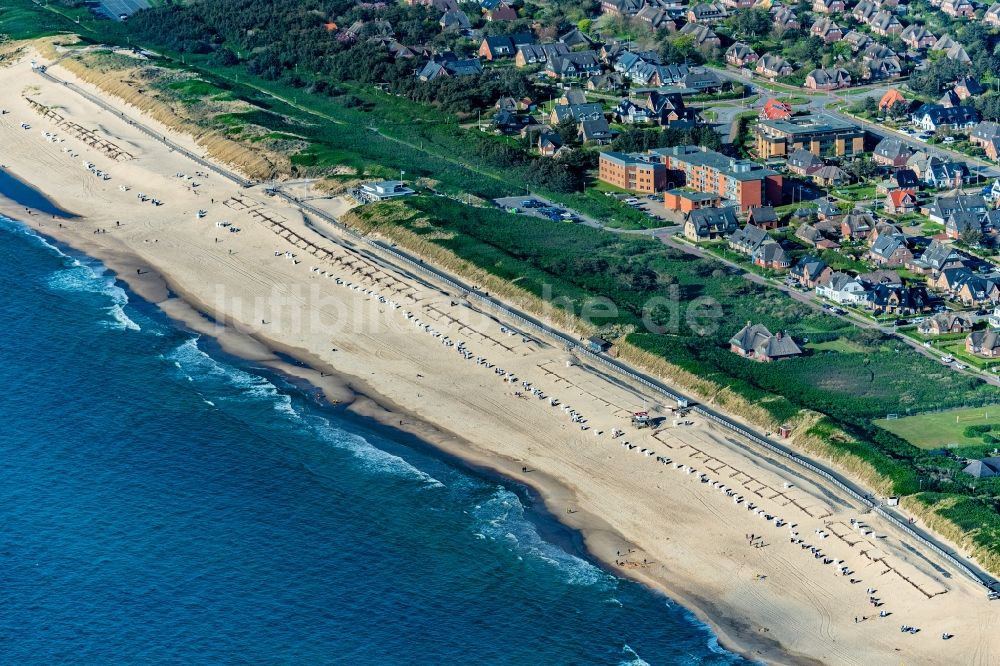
(987, 136)
(704, 37)
(536, 54)
(932, 117)
(945, 206)
(890, 250)
(885, 24)
(786, 19)
(707, 12)
(843, 289)
(773, 66)
(945, 323)
(809, 272)
(895, 300)
(827, 30)
(992, 15)
(803, 162)
(833, 78)
(901, 202)
(890, 99)
(573, 65)
(503, 46)
(775, 109)
(710, 223)
(917, 37)
(958, 8)
(985, 343)
(756, 342)
(967, 87)
(858, 40)
(857, 224)
(740, 55)
(938, 256)
(764, 217)
(828, 6)
(891, 152)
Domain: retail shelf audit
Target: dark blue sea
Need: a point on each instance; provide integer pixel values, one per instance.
(161, 502)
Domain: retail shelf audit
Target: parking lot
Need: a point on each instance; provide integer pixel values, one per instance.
(540, 207)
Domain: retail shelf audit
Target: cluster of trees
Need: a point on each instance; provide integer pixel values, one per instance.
(641, 140)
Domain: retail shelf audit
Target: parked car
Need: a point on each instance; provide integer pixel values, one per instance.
(948, 139)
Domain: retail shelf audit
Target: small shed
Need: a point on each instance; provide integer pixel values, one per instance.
(785, 431)
(598, 344)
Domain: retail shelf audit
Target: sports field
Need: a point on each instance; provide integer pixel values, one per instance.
(931, 431)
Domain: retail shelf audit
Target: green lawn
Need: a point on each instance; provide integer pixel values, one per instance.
(839, 345)
(930, 431)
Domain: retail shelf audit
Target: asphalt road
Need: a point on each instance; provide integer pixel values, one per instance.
(408, 263)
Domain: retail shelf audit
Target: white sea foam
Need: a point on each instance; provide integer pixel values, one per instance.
(632, 657)
(196, 364)
(92, 277)
(501, 518)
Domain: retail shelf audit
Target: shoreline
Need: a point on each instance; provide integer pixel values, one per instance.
(366, 408)
(779, 604)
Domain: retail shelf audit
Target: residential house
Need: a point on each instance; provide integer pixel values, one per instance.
(900, 202)
(607, 82)
(572, 96)
(772, 256)
(702, 35)
(917, 37)
(976, 291)
(454, 21)
(573, 65)
(932, 117)
(710, 223)
(447, 64)
(942, 175)
(812, 236)
(945, 206)
(899, 179)
(891, 98)
(538, 54)
(881, 229)
(549, 144)
(803, 163)
(885, 24)
(958, 8)
(707, 12)
(829, 176)
(896, 300)
(577, 112)
(748, 239)
(629, 113)
(920, 163)
(983, 469)
(984, 343)
(702, 80)
(992, 15)
(503, 46)
(945, 323)
(843, 289)
(967, 87)
(856, 225)
(775, 109)
(755, 342)
(891, 152)
(987, 136)
(596, 131)
(786, 19)
(857, 40)
(958, 53)
(881, 69)
(763, 217)
(890, 250)
(828, 79)
(668, 109)
(740, 55)
(863, 11)
(636, 173)
(574, 39)
(773, 66)
(502, 12)
(809, 272)
(657, 18)
(881, 276)
(622, 7)
(828, 6)
(938, 257)
(827, 30)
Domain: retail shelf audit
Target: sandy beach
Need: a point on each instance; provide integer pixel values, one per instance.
(784, 568)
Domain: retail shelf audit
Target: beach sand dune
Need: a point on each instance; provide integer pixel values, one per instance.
(780, 565)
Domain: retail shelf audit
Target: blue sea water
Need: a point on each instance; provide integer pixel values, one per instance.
(161, 502)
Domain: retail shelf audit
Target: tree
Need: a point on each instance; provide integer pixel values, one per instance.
(972, 236)
(750, 23)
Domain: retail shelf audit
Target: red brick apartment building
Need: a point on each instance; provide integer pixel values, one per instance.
(744, 182)
(637, 173)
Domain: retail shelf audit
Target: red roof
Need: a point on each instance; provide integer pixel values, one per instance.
(892, 96)
(897, 196)
(775, 109)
